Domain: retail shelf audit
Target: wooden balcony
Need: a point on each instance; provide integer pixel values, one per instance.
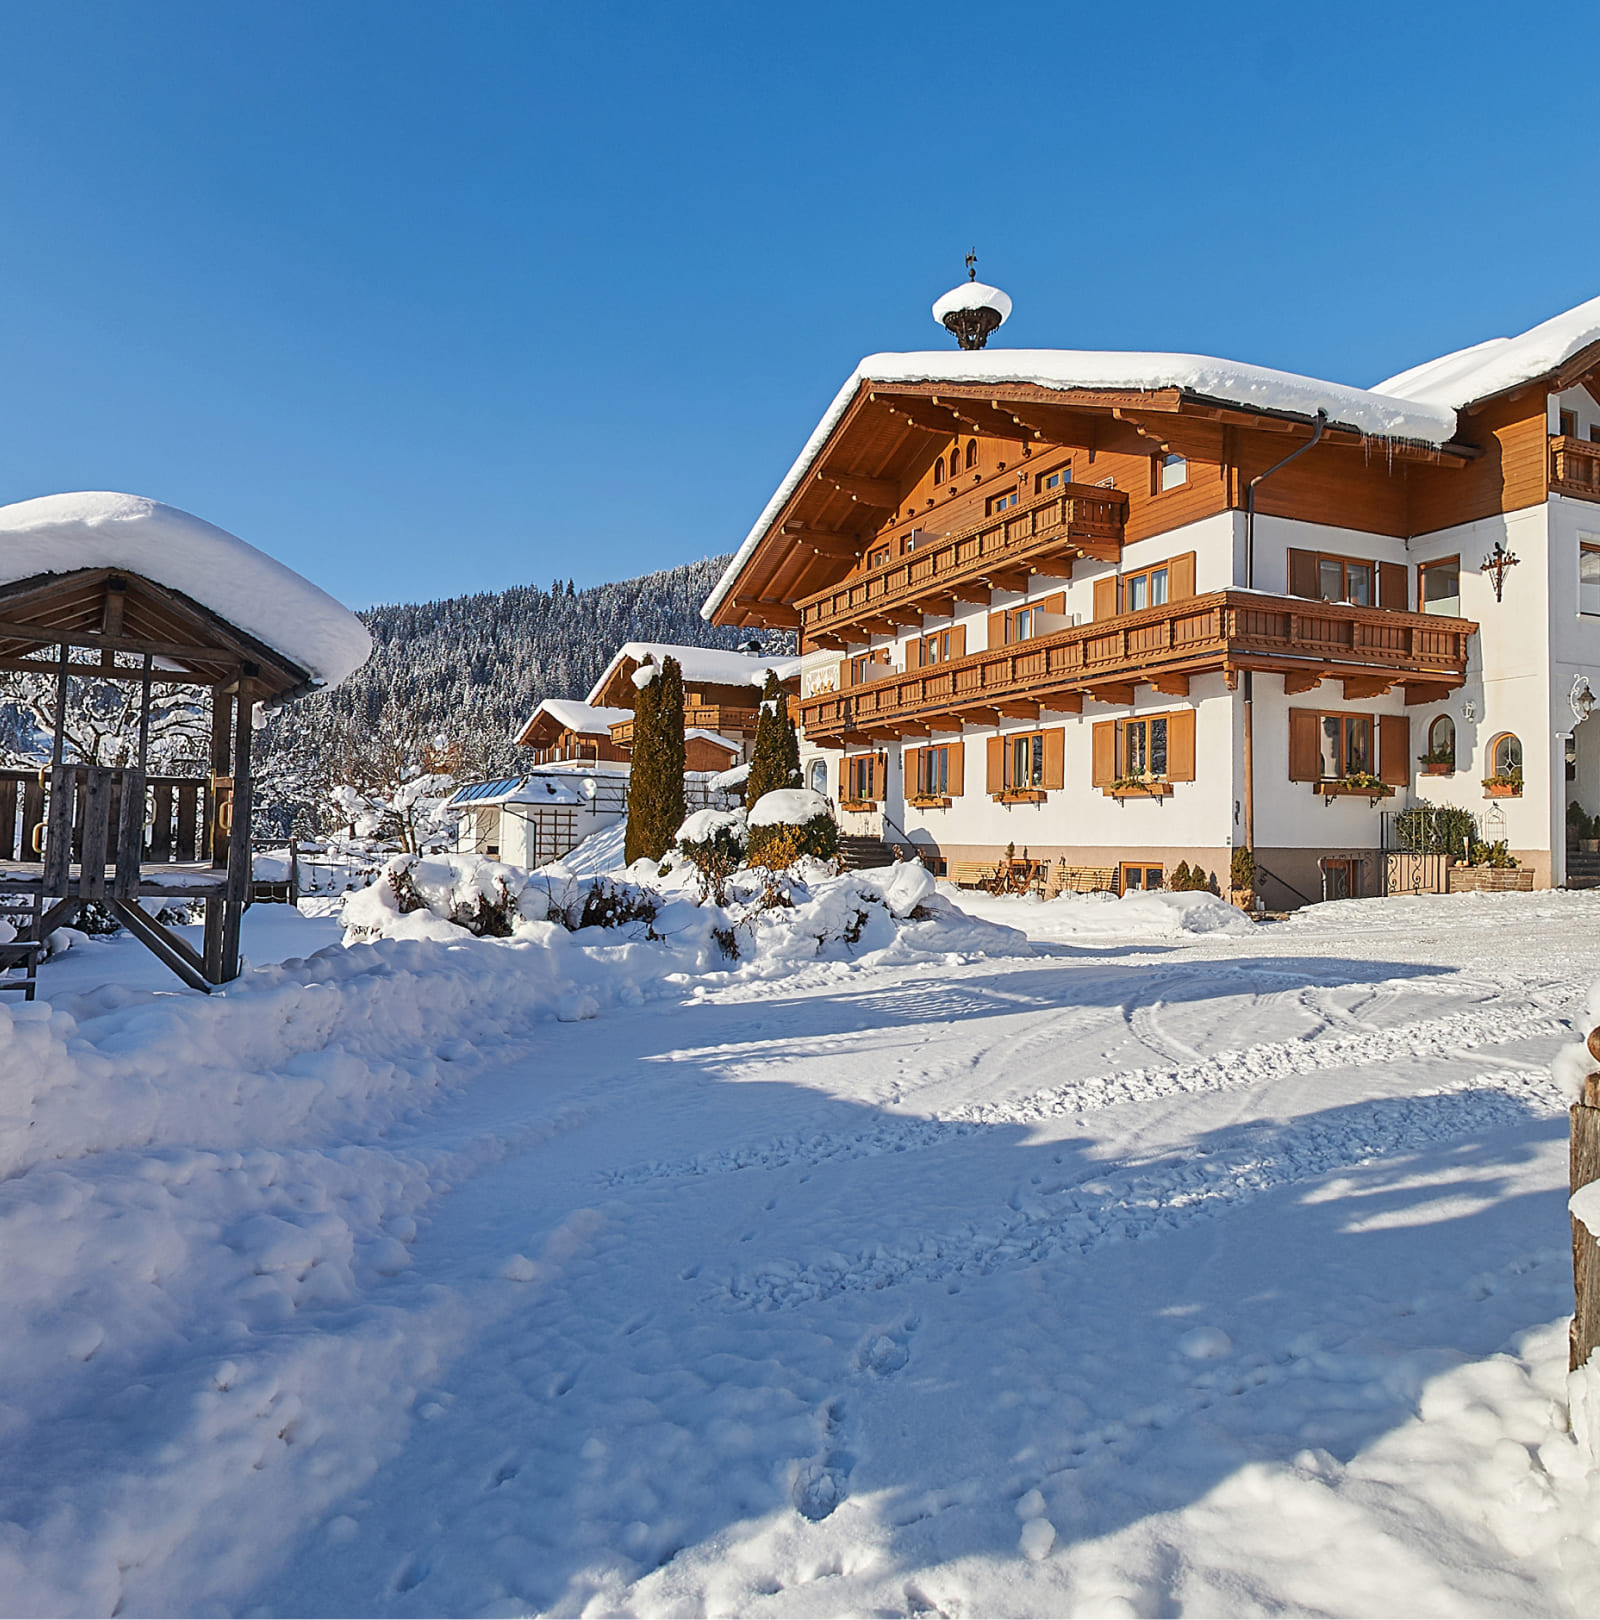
(1076, 520)
(1574, 467)
(716, 717)
(1370, 649)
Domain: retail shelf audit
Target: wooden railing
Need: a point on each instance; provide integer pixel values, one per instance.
(1223, 630)
(1073, 519)
(702, 717)
(1575, 467)
(174, 823)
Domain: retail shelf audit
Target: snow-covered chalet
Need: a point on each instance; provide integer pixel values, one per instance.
(1128, 610)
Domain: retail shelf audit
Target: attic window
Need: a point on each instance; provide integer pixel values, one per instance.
(1000, 503)
(972, 453)
(938, 470)
(1174, 472)
(1054, 480)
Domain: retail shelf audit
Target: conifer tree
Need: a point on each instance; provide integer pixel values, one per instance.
(645, 755)
(769, 756)
(655, 782)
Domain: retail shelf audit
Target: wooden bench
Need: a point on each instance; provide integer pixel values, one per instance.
(24, 954)
(1084, 879)
(972, 874)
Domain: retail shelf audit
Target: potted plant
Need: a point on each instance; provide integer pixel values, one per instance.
(1358, 784)
(1503, 785)
(1584, 829)
(1242, 879)
(1148, 787)
(1438, 762)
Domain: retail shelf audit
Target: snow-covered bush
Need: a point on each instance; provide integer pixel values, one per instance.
(713, 843)
(791, 824)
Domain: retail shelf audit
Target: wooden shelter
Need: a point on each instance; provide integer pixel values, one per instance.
(76, 831)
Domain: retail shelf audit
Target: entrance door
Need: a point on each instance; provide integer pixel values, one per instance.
(1139, 875)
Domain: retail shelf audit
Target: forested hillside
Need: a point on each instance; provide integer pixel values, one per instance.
(470, 670)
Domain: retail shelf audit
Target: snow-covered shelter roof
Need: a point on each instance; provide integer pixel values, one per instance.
(704, 666)
(1200, 377)
(586, 719)
(728, 743)
(1455, 381)
(97, 530)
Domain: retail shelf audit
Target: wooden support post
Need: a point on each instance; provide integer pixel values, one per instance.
(239, 852)
(1585, 1162)
(294, 872)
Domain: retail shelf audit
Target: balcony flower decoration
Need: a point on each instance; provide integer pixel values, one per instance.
(1504, 784)
(1358, 785)
(1438, 761)
(1144, 785)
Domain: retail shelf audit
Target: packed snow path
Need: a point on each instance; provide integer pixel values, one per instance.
(1225, 1276)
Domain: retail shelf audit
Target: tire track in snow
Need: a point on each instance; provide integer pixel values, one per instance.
(1227, 1071)
(1130, 1203)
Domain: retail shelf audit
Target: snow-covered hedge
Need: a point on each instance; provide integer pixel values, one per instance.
(790, 825)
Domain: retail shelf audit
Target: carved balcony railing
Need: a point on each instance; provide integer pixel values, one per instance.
(1370, 649)
(718, 717)
(1575, 467)
(1073, 520)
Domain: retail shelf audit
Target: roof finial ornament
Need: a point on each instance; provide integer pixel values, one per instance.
(972, 311)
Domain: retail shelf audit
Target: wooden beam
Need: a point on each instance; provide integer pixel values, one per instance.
(1119, 693)
(882, 493)
(40, 635)
(1008, 579)
(1301, 681)
(1426, 691)
(1063, 703)
(1018, 708)
(971, 591)
(1357, 687)
(976, 715)
(827, 542)
(1170, 685)
(779, 613)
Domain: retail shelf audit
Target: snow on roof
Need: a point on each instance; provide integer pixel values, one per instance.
(58, 534)
(1229, 381)
(713, 736)
(1454, 381)
(714, 666)
(584, 718)
(972, 295)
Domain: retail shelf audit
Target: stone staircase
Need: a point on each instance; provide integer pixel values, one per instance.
(859, 852)
(1583, 871)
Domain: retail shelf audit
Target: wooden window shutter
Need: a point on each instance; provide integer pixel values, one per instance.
(1105, 753)
(911, 759)
(997, 630)
(1056, 602)
(997, 764)
(1305, 752)
(1180, 745)
(880, 655)
(1180, 577)
(958, 641)
(1393, 589)
(880, 778)
(1303, 574)
(1055, 756)
(957, 771)
(1394, 748)
(1105, 597)
(914, 653)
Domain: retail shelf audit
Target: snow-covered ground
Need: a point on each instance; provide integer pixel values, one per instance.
(1160, 1270)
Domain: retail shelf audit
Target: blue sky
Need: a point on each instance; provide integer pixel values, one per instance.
(428, 299)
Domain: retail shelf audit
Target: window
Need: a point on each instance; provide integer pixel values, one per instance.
(877, 559)
(1589, 576)
(1174, 472)
(819, 777)
(1136, 876)
(1021, 625)
(933, 772)
(864, 776)
(1346, 741)
(1144, 747)
(1439, 587)
(972, 453)
(1053, 480)
(1145, 589)
(939, 647)
(1341, 580)
(938, 470)
(1000, 503)
(1025, 761)
(1569, 424)
(1442, 742)
(868, 665)
(1505, 756)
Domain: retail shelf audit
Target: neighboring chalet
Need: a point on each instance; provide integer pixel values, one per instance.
(1128, 610)
(581, 751)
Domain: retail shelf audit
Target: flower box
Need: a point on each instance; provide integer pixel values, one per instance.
(1502, 790)
(1138, 790)
(1019, 796)
(1371, 791)
(1489, 880)
(1432, 768)
(858, 806)
(930, 801)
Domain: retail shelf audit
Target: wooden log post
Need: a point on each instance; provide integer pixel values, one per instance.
(1585, 1168)
(240, 854)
